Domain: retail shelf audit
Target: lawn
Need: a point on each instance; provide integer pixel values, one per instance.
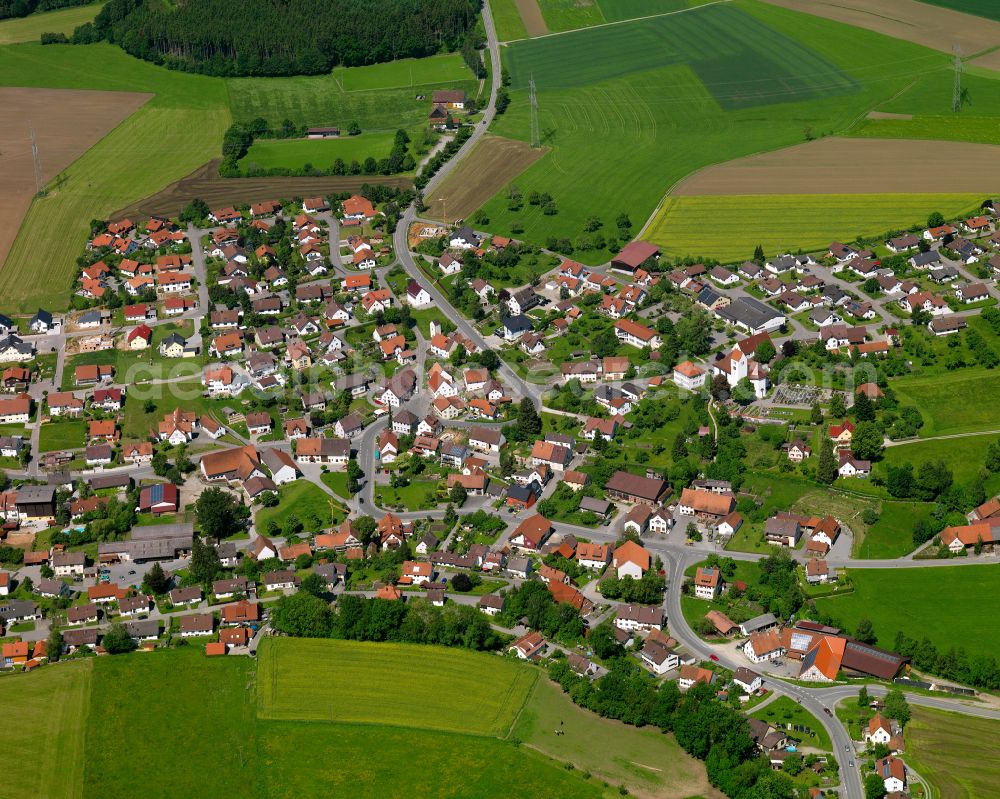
(784, 710)
(645, 760)
(63, 20)
(918, 608)
(377, 97)
(372, 762)
(671, 94)
(167, 692)
(337, 483)
(396, 685)
(892, 535)
(956, 753)
(952, 403)
(729, 227)
(174, 133)
(44, 750)
(410, 497)
(321, 153)
(307, 501)
(168, 397)
(69, 434)
(133, 367)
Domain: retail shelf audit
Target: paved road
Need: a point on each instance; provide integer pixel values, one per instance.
(493, 48)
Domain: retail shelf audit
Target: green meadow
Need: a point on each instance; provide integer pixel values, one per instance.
(981, 8)
(956, 753)
(296, 153)
(175, 723)
(943, 603)
(952, 403)
(31, 27)
(43, 745)
(669, 95)
(378, 97)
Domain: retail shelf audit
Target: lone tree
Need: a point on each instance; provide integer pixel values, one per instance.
(826, 469)
(896, 707)
(874, 787)
(117, 640)
(837, 407)
(220, 514)
(865, 632)
(156, 580)
(54, 645)
(458, 494)
(864, 408)
(765, 352)
(205, 565)
(529, 423)
(866, 443)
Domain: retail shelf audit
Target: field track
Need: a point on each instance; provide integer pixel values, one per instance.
(492, 165)
(909, 20)
(854, 166)
(66, 123)
(531, 16)
(206, 184)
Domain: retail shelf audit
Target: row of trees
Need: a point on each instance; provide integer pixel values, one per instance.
(280, 37)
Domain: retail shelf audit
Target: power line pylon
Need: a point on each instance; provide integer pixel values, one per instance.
(37, 159)
(533, 105)
(956, 94)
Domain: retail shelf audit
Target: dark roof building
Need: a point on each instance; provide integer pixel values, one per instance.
(633, 488)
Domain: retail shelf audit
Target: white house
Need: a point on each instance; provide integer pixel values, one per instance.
(417, 296)
(658, 658)
(749, 681)
(633, 618)
(879, 730)
(689, 376)
(763, 646)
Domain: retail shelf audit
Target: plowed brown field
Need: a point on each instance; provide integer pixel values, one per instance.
(66, 124)
(855, 166)
(492, 164)
(909, 20)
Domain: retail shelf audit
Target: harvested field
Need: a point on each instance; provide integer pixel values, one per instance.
(854, 166)
(909, 20)
(206, 183)
(531, 16)
(67, 123)
(887, 115)
(493, 164)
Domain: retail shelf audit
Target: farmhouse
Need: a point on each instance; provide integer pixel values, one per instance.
(633, 488)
